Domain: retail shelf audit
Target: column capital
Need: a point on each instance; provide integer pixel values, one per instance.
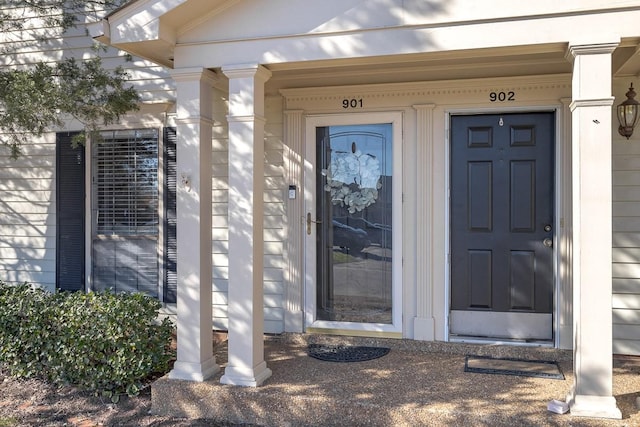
(247, 118)
(422, 107)
(239, 71)
(591, 80)
(591, 49)
(194, 74)
(602, 102)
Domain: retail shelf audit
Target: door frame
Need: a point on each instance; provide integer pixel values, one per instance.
(310, 265)
(561, 223)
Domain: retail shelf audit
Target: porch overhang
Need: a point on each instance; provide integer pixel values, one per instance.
(437, 43)
(148, 28)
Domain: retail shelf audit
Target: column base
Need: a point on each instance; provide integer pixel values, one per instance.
(246, 377)
(194, 371)
(593, 406)
(424, 328)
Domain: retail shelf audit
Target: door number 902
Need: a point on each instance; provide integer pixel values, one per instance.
(502, 96)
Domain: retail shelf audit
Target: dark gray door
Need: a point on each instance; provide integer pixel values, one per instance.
(502, 173)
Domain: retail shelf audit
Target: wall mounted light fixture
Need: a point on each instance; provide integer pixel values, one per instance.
(628, 113)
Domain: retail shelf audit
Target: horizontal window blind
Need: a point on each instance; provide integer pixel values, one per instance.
(127, 183)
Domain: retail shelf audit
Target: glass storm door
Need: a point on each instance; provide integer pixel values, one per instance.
(350, 227)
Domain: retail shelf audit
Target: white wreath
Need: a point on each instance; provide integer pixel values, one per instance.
(353, 179)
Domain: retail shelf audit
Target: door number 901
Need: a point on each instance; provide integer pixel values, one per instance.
(352, 103)
(502, 96)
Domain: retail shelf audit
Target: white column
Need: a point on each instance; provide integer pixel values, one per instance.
(424, 323)
(591, 191)
(246, 366)
(195, 359)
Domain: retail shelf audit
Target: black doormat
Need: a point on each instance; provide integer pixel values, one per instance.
(519, 367)
(345, 353)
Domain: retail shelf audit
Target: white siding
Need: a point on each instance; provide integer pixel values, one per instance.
(27, 214)
(274, 212)
(220, 205)
(149, 79)
(626, 247)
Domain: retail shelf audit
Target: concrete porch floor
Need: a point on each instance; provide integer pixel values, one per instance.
(416, 384)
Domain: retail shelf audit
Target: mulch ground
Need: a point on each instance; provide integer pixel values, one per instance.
(36, 403)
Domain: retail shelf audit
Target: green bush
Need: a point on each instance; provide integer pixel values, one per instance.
(107, 343)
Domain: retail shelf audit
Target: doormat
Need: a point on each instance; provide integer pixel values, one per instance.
(345, 353)
(519, 367)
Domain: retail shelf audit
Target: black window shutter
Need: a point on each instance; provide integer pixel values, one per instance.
(70, 214)
(170, 240)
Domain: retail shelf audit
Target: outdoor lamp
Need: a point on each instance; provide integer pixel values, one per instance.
(628, 114)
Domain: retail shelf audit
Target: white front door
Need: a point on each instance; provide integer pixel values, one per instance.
(353, 222)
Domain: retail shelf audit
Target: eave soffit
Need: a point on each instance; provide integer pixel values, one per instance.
(149, 28)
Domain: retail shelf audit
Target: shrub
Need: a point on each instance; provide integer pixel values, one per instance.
(107, 343)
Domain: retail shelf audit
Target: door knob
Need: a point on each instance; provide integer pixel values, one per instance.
(548, 242)
(310, 221)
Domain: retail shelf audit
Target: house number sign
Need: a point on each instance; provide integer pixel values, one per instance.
(352, 103)
(502, 96)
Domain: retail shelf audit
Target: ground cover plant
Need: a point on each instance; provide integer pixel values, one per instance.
(110, 344)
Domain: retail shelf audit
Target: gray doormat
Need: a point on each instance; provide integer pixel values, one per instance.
(345, 353)
(524, 368)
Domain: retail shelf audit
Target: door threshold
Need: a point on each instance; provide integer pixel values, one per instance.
(353, 332)
(500, 341)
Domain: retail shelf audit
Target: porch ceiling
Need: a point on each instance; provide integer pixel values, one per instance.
(450, 65)
(626, 58)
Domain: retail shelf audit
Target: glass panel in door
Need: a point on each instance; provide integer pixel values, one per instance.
(354, 223)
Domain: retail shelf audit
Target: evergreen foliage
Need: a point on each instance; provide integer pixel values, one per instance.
(107, 343)
(38, 97)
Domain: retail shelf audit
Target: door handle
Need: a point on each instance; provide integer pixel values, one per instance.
(548, 242)
(310, 221)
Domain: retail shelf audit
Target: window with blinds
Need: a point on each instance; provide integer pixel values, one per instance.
(126, 183)
(125, 209)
